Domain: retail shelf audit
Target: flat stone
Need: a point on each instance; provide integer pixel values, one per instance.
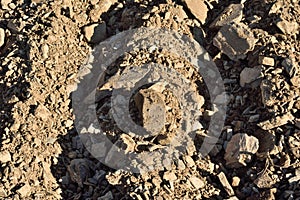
(25, 190)
(2, 37)
(5, 157)
(232, 13)
(197, 182)
(263, 60)
(288, 28)
(248, 75)
(239, 150)
(235, 40)
(227, 187)
(169, 176)
(95, 33)
(276, 121)
(198, 8)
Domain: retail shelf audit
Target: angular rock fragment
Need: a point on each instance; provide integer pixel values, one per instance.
(25, 190)
(233, 13)
(227, 187)
(197, 183)
(169, 176)
(152, 109)
(288, 28)
(290, 66)
(5, 157)
(266, 87)
(276, 121)
(95, 33)
(2, 37)
(235, 181)
(248, 75)
(266, 180)
(263, 60)
(235, 40)
(5, 4)
(239, 150)
(198, 8)
(294, 143)
(100, 7)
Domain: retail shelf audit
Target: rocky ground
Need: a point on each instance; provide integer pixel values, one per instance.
(256, 47)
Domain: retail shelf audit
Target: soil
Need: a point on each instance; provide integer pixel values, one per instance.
(256, 48)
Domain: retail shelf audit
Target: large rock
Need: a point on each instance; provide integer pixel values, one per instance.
(235, 40)
(198, 8)
(239, 150)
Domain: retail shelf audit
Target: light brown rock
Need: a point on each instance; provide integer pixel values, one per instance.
(169, 176)
(197, 182)
(2, 37)
(95, 33)
(287, 27)
(5, 157)
(25, 190)
(235, 181)
(198, 8)
(227, 187)
(264, 60)
(239, 150)
(276, 121)
(235, 40)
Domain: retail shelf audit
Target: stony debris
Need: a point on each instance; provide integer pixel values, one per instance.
(276, 121)
(235, 40)
(232, 13)
(2, 37)
(248, 75)
(95, 33)
(240, 149)
(198, 8)
(227, 187)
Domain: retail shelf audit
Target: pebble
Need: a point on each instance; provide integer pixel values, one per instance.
(239, 150)
(5, 4)
(248, 75)
(2, 37)
(197, 183)
(263, 60)
(235, 40)
(235, 181)
(198, 8)
(5, 157)
(227, 187)
(95, 33)
(233, 13)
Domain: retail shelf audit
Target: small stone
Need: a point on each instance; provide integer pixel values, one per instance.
(288, 28)
(107, 196)
(263, 60)
(235, 40)
(100, 8)
(276, 121)
(25, 190)
(169, 176)
(294, 144)
(239, 150)
(189, 161)
(5, 157)
(248, 75)
(227, 187)
(2, 37)
(290, 66)
(95, 33)
(197, 183)
(235, 181)
(265, 180)
(126, 143)
(45, 51)
(5, 4)
(233, 13)
(198, 8)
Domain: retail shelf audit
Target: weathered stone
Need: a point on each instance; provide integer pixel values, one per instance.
(2, 37)
(294, 143)
(265, 180)
(267, 98)
(100, 8)
(290, 66)
(288, 28)
(276, 121)
(107, 196)
(233, 13)
(25, 190)
(169, 176)
(227, 187)
(95, 33)
(239, 150)
(5, 4)
(248, 75)
(197, 182)
(152, 109)
(263, 60)
(198, 8)
(235, 181)
(235, 40)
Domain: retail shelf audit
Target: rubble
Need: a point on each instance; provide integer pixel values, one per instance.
(240, 149)
(235, 40)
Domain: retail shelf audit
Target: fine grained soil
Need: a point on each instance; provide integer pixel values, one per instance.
(43, 44)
